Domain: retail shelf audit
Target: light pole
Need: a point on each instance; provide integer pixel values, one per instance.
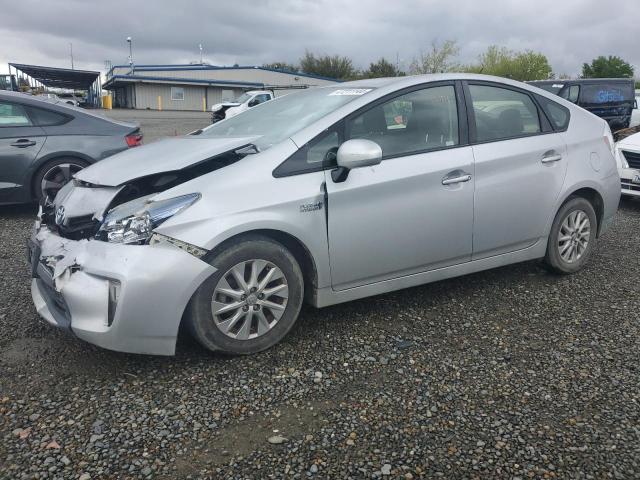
(200, 47)
(130, 54)
(71, 47)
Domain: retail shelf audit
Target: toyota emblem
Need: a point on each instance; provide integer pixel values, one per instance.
(60, 215)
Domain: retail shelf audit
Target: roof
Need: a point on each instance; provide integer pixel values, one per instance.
(59, 77)
(189, 66)
(116, 80)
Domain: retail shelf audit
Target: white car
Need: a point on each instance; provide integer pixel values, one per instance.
(628, 158)
(223, 110)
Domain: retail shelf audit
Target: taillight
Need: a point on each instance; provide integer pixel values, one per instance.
(134, 140)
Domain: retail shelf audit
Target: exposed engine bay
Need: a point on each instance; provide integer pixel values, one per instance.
(80, 207)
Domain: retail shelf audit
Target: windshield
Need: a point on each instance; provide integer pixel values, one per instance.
(278, 119)
(242, 98)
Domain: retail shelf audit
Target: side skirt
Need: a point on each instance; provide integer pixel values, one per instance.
(327, 296)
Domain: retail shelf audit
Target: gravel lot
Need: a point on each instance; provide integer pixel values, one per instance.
(156, 125)
(510, 373)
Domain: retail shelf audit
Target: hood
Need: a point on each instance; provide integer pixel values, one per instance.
(168, 155)
(632, 141)
(219, 106)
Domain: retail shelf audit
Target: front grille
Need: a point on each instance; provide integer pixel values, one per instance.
(633, 159)
(634, 187)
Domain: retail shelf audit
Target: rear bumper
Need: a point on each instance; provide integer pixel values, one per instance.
(72, 282)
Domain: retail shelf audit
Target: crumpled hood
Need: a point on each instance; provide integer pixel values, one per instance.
(218, 106)
(166, 155)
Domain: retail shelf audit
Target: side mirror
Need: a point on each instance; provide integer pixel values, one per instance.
(355, 154)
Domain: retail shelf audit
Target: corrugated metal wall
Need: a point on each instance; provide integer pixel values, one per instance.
(147, 97)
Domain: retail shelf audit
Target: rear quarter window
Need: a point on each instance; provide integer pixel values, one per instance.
(47, 118)
(558, 115)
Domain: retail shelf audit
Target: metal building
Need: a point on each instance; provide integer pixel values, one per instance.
(196, 87)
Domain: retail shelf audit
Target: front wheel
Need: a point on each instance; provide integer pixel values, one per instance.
(251, 302)
(573, 237)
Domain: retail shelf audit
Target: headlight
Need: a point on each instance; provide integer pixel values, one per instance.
(134, 221)
(622, 158)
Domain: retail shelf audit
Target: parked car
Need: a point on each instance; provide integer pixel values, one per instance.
(223, 110)
(330, 194)
(43, 143)
(609, 98)
(628, 158)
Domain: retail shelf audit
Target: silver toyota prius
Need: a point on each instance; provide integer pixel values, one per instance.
(326, 195)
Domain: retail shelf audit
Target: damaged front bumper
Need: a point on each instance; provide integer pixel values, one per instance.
(128, 298)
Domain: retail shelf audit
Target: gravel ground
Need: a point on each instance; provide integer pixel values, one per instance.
(510, 373)
(156, 125)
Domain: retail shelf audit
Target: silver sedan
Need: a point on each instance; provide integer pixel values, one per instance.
(325, 196)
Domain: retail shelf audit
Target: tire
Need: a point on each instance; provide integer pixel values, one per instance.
(577, 221)
(220, 330)
(55, 171)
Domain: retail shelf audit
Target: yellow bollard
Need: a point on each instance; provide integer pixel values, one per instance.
(160, 102)
(204, 104)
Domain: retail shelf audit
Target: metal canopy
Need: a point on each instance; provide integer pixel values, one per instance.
(59, 77)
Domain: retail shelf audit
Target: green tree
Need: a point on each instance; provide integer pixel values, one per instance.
(607, 67)
(439, 58)
(502, 62)
(381, 68)
(281, 66)
(335, 66)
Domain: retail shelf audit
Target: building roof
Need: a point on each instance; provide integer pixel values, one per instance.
(118, 80)
(189, 66)
(59, 77)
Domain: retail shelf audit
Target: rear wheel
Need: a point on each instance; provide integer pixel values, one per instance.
(572, 237)
(53, 175)
(251, 302)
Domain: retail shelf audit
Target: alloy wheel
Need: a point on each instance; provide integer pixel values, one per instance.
(249, 299)
(56, 177)
(574, 235)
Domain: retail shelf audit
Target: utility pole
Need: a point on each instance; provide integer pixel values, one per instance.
(130, 42)
(71, 48)
(200, 47)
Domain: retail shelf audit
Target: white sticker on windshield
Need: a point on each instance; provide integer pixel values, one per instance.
(558, 85)
(351, 91)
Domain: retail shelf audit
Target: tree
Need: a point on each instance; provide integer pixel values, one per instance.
(381, 68)
(607, 67)
(327, 66)
(502, 62)
(438, 59)
(281, 66)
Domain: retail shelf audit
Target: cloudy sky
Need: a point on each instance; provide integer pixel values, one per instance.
(568, 32)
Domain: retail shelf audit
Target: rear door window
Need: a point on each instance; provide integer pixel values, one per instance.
(501, 113)
(13, 115)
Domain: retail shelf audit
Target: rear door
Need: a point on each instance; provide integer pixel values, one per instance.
(520, 165)
(414, 211)
(20, 142)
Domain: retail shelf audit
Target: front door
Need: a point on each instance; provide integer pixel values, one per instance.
(414, 211)
(20, 142)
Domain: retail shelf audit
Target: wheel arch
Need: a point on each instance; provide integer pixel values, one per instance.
(593, 197)
(298, 249)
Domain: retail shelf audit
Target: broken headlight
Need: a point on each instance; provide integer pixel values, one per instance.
(134, 221)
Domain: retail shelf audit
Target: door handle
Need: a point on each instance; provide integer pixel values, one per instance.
(551, 158)
(459, 177)
(23, 142)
